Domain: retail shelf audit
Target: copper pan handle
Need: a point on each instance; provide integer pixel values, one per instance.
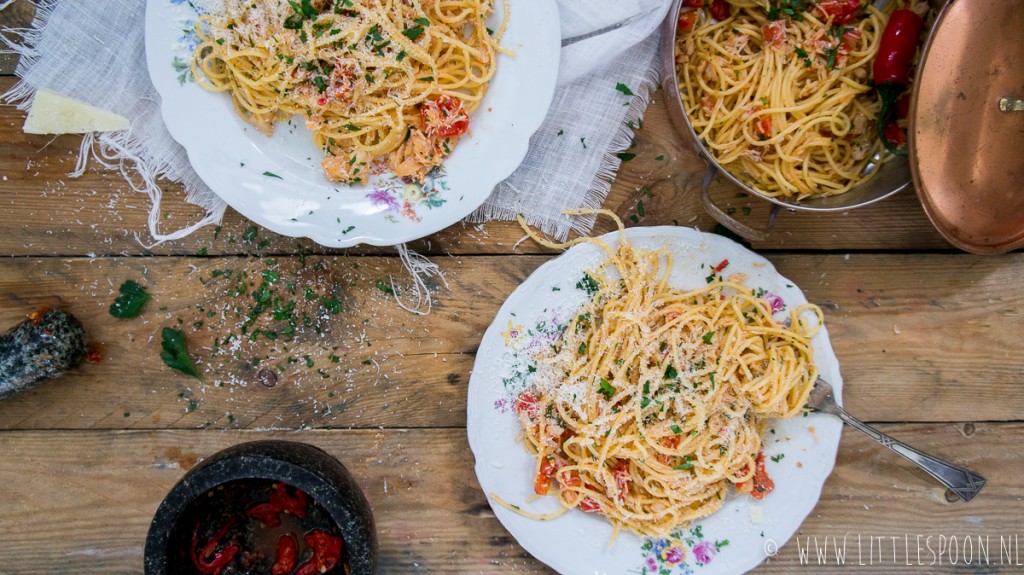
(1011, 104)
(740, 228)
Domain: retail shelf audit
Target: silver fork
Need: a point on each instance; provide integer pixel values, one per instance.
(963, 482)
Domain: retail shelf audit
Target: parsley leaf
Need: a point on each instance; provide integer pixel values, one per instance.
(707, 337)
(272, 175)
(625, 156)
(607, 389)
(676, 429)
(175, 353)
(413, 33)
(624, 89)
(671, 373)
(131, 301)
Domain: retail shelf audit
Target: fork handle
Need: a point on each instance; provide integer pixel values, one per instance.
(963, 482)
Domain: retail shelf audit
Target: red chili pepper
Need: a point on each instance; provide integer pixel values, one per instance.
(527, 403)
(286, 502)
(841, 11)
(721, 10)
(588, 505)
(287, 553)
(266, 513)
(763, 485)
(622, 479)
(209, 561)
(686, 21)
(892, 66)
(542, 482)
(895, 134)
(693, 3)
(721, 266)
(326, 552)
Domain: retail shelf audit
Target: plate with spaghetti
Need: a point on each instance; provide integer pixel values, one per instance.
(350, 121)
(637, 406)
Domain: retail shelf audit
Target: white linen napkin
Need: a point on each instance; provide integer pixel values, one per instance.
(94, 50)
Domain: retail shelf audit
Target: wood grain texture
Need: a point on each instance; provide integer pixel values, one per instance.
(48, 213)
(17, 15)
(89, 502)
(919, 338)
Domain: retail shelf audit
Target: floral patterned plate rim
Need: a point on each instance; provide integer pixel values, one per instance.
(800, 452)
(277, 182)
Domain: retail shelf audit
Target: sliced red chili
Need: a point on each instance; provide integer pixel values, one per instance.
(686, 21)
(763, 485)
(286, 556)
(841, 11)
(622, 479)
(285, 501)
(326, 552)
(527, 403)
(266, 513)
(895, 134)
(208, 560)
(721, 266)
(542, 482)
(444, 117)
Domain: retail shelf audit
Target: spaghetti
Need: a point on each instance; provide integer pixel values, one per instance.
(783, 98)
(654, 399)
(378, 82)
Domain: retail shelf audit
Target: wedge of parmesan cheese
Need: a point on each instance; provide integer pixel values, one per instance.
(52, 113)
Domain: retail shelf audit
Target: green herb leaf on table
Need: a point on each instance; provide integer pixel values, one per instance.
(175, 353)
(131, 301)
(624, 89)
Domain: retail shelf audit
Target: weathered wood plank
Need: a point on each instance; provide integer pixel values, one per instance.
(82, 501)
(48, 213)
(17, 15)
(919, 338)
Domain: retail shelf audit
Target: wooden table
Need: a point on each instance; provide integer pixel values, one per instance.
(931, 343)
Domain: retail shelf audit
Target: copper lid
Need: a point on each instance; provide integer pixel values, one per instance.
(968, 130)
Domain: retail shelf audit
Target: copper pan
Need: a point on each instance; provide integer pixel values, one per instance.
(965, 141)
(892, 176)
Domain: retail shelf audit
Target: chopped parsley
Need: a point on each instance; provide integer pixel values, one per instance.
(588, 284)
(624, 89)
(606, 389)
(413, 33)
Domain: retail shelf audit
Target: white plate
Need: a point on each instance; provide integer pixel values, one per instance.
(232, 157)
(734, 539)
